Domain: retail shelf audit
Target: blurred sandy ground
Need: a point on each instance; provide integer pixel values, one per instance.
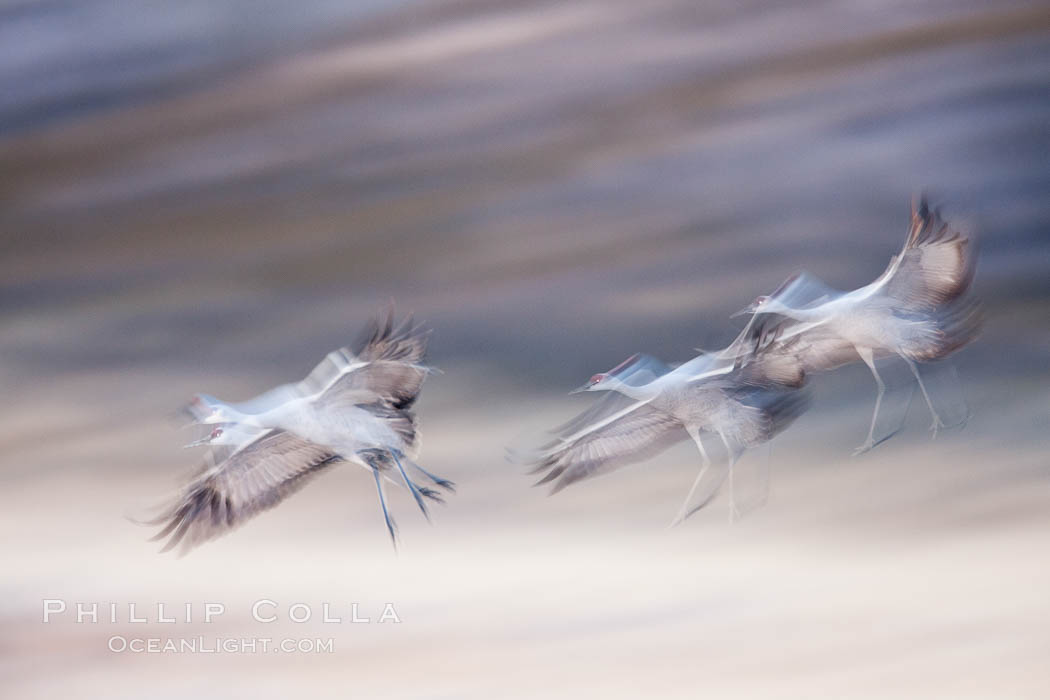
(210, 196)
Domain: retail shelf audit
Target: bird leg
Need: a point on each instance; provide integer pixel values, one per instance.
(705, 463)
(869, 360)
(733, 512)
(390, 525)
(443, 483)
(900, 423)
(936, 419)
(412, 488)
(966, 414)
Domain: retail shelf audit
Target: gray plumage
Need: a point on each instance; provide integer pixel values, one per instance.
(354, 407)
(652, 406)
(256, 476)
(917, 309)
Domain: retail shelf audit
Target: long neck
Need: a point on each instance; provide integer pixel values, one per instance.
(635, 392)
(236, 414)
(775, 306)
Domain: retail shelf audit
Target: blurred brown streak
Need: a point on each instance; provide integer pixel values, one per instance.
(278, 93)
(67, 153)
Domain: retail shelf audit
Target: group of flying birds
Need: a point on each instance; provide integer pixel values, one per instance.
(358, 406)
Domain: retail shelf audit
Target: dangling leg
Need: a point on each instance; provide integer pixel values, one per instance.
(443, 483)
(432, 494)
(386, 514)
(962, 396)
(936, 419)
(412, 488)
(763, 480)
(705, 462)
(904, 415)
(900, 423)
(869, 360)
(733, 513)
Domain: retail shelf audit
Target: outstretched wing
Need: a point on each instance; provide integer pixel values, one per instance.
(639, 369)
(257, 476)
(772, 348)
(709, 366)
(804, 291)
(762, 359)
(386, 367)
(631, 434)
(935, 266)
(786, 350)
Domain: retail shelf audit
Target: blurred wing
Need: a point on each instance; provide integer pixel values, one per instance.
(387, 367)
(820, 351)
(787, 349)
(332, 368)
(763, 361)
(630, 435)
(804, 291)
(935, 266)
(257, 476)
(709, 366)
(607, 405)
(767, 350)
(639, 369)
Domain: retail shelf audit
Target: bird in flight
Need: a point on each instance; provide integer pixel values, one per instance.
(353, 407)
(733, 393)
(917, 309)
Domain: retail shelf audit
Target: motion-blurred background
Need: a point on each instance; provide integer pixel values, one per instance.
(209, 195)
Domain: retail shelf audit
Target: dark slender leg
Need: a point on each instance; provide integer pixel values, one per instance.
(411, 485)
(443, 483)
(386, 514)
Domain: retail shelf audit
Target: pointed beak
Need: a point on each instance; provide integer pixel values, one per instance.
(580, 390)
(744, 311)
(197, 443)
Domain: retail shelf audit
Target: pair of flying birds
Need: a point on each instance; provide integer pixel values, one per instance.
(357, 406)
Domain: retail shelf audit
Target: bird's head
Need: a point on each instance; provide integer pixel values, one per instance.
(595, 383)
(761, 303)
(218, 435)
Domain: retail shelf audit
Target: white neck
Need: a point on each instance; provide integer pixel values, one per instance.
(777, 307)
(634, 392)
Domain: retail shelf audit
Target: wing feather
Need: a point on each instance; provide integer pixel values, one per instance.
(387, 367)
(935, 267)
(787, 350)
(630, 435)
(804, 291)
(256, 477)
